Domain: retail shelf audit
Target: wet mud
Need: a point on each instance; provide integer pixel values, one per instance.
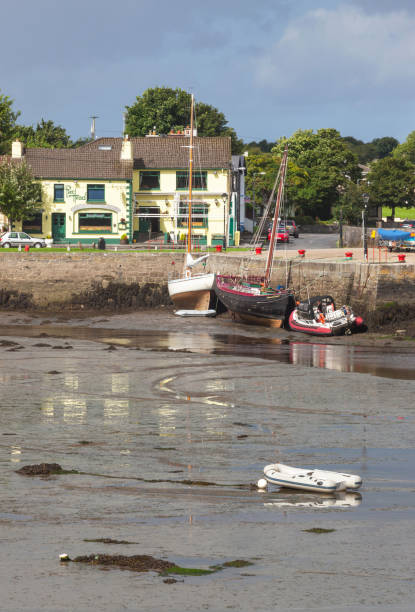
(162, 447)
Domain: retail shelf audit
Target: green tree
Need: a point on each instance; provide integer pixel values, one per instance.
(260, 176)
(327, 162)
(7, 123)
(351, 203)
(45, 135)
(391, 182)
(20, 195)
(366, 152)
(406, 150)
(165, 109)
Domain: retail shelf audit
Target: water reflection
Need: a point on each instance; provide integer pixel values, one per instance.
(337, 500)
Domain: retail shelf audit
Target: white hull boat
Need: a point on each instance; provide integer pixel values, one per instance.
(310, 479)
(193, 292)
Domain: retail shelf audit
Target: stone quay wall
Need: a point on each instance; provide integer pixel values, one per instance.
(57, 280)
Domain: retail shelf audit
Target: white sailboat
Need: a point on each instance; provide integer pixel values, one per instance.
(191, 293)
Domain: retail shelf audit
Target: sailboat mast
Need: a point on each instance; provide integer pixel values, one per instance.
(270, 257)
(189, 225)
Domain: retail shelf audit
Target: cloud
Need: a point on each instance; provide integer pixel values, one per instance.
(327, 55)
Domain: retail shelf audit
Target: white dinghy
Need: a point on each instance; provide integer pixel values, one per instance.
(310, 479)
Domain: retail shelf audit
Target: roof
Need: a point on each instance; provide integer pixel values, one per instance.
(83, 162)
(173, 152)
(100, 159)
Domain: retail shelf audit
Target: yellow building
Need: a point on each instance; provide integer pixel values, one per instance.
(136, 187)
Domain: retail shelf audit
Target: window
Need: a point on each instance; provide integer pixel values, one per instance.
(199, 215)
(95, 222)
(96, 193)
(58, 193)
(33, 225)
(149, 180)
(199, 179)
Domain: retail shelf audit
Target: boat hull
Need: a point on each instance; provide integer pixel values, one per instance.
(274, 474)
(317, 328)
(193, 293)
(349, 481)
(251, 305)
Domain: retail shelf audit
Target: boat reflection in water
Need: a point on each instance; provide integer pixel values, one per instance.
(322, 356)
(308, 500)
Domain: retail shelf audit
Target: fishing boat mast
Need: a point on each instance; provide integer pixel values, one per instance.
(189, 224)
(270, 257)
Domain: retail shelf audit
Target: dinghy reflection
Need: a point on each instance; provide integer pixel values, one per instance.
(286, 499)
(340, 358)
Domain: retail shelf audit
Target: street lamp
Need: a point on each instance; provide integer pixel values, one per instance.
(224, 197)
(254, 175)
(340, 190)
(365, 197)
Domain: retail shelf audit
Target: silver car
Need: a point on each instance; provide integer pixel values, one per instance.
(15, 239)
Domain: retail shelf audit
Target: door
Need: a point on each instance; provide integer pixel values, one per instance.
(58, 227)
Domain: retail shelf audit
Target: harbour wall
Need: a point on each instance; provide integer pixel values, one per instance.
(61, 280)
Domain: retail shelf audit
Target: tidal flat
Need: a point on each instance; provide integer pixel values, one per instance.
(162, 427)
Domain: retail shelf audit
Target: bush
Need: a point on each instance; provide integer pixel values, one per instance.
(304, 220)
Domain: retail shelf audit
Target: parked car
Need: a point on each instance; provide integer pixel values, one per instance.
(292, 228)
(408, 224)
(281, 234)
(15, 239)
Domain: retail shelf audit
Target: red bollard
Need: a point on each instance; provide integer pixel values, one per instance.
(218, 248)
(258, 250)
(301, 252)
(349, 255)
(401, 257)
(27, 248)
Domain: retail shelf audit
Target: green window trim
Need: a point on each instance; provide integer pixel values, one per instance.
(149, 180)
(91, 196)
(58, 187)
(199, 182)
(90, 223)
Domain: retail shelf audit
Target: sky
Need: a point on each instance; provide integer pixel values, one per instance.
(271, 66)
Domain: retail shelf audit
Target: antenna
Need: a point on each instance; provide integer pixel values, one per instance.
(93, 117)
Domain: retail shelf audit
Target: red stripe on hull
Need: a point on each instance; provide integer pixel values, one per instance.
(317, 331)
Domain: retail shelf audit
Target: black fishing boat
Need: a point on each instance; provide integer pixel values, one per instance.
(252, 300)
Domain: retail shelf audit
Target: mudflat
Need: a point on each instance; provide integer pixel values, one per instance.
(162, 427)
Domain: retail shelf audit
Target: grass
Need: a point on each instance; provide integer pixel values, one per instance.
(402, 213)
(63, 250)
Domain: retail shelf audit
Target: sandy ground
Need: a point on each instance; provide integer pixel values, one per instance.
(174, 403)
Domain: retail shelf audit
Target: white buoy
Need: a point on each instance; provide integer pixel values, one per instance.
(64, 557)
(262, 483)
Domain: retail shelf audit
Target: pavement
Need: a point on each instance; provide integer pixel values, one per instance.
(375, 255)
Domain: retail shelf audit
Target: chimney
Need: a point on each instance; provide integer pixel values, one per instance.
(127, 149)
(17, 149)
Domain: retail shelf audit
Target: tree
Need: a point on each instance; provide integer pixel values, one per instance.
(327, 162)
(45, 135)
(366, 152)
(391, 182)
(256, 148)
(20, 195)
(7, 123)
(406, 150)
(261, 173)
(351, 203)
(165, 109)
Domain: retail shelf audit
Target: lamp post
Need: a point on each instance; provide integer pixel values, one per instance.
(254, 175)
(364, 211)
(224, 197)
(340, 190)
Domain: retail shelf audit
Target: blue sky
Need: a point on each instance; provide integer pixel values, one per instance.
(271, 66)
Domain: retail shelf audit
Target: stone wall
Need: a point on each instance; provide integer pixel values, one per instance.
(56, 280)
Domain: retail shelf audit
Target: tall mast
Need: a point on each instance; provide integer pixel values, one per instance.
(189, 225)
(283, 170)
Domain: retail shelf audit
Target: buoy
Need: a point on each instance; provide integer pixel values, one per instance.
(64, 557)
(262, 483)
